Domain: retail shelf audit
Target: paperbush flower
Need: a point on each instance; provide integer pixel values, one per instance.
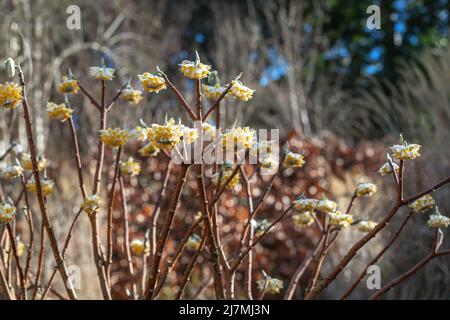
(293, 160)
(268, 162)
(101, 73)
(223, 176)
(131, 95)
(151, 82)
(270, 285)
(438, 221)
(165, 136)
(405, 151)
(7, 212)
(262, 148)
(91, 204)
(242, 137)
(20, 248)
(138, 133)
(58, 111)
(303, 219)
(366, 226)
(195, 70)
(209, 131)
(303, 204)
(114, 137)
(189, 134)
(27, 164)
(193, 243)
(326, 206)
(422, 204)
(386, 168)
(47, 187)
(139, 246)
(68, 86)
(240, 91)
(340, 219)
(260, 226)
(213, 92)
(365, 189)
(10, 95)
(149, 150)
(130, 167)
(12, 172)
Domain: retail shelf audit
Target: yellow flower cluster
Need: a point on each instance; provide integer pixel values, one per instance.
(326, 206)
(293, 160)
(10, 95)
(224, 175)
(114, 137)
(165, 136)
(58, 111)
(209, 131)
(47, 186)
(195, 70)
(68, 86)
(130, 167)
(101, 73)
(422, 204)
(438, 221)
(213, 92)
(366, 225)
(193, 243)
(131, 95)
(12, 172)
(91, 204)
(242, 137)
(303, 204)
(7, 212)
(386, 168)
(139, 246)
(20, 248)
(189, 135)
(27, 164)
(240, 91)
(303, 219)
(405, 151)
(268, 162)
(262, 148)
(151, 82)
(149, 150)
(340, 219)
(138, 133)
(365, 189)
(270, 285)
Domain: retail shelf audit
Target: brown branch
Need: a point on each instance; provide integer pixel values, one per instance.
(18, 263)
(93, 101)
(180, 98)
(217, 102)
(76, 151)
(117, 96)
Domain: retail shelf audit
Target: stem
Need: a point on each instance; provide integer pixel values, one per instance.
(180, 98)
(76, 152)
(217, 103)
(18, 264)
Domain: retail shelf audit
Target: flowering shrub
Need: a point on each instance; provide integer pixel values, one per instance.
(149, 259)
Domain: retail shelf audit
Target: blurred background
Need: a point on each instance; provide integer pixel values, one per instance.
(338, 91)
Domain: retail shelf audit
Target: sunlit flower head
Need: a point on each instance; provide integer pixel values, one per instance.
(365, 189)
(189, 134)
(138, 133)
(151, 82)
(366, 225)
(293, 160)
(130, 167)
(20, 248)
(131, 95)
(139, 246)
(260, 226)
(438, 221)
(12, 172)
(27, 164)
(224, 175)
(101, 73)
(47, 187)
(10, 95)
(240, 91)
(165, 136)
(195, 70)
(149, 150)
(240, 137)
(340, 219)
(262, 148)
(209, 131)
(303, 219)
(422, 204)
(213, 92)
(268, 162)
(270, 285)
(405, 151)
(303, 204)
(68, 86)
(91, 204)
(58, 111)
(193, 243)
(114, 137)
(326, 206)
(387, 169)
(7, 212)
